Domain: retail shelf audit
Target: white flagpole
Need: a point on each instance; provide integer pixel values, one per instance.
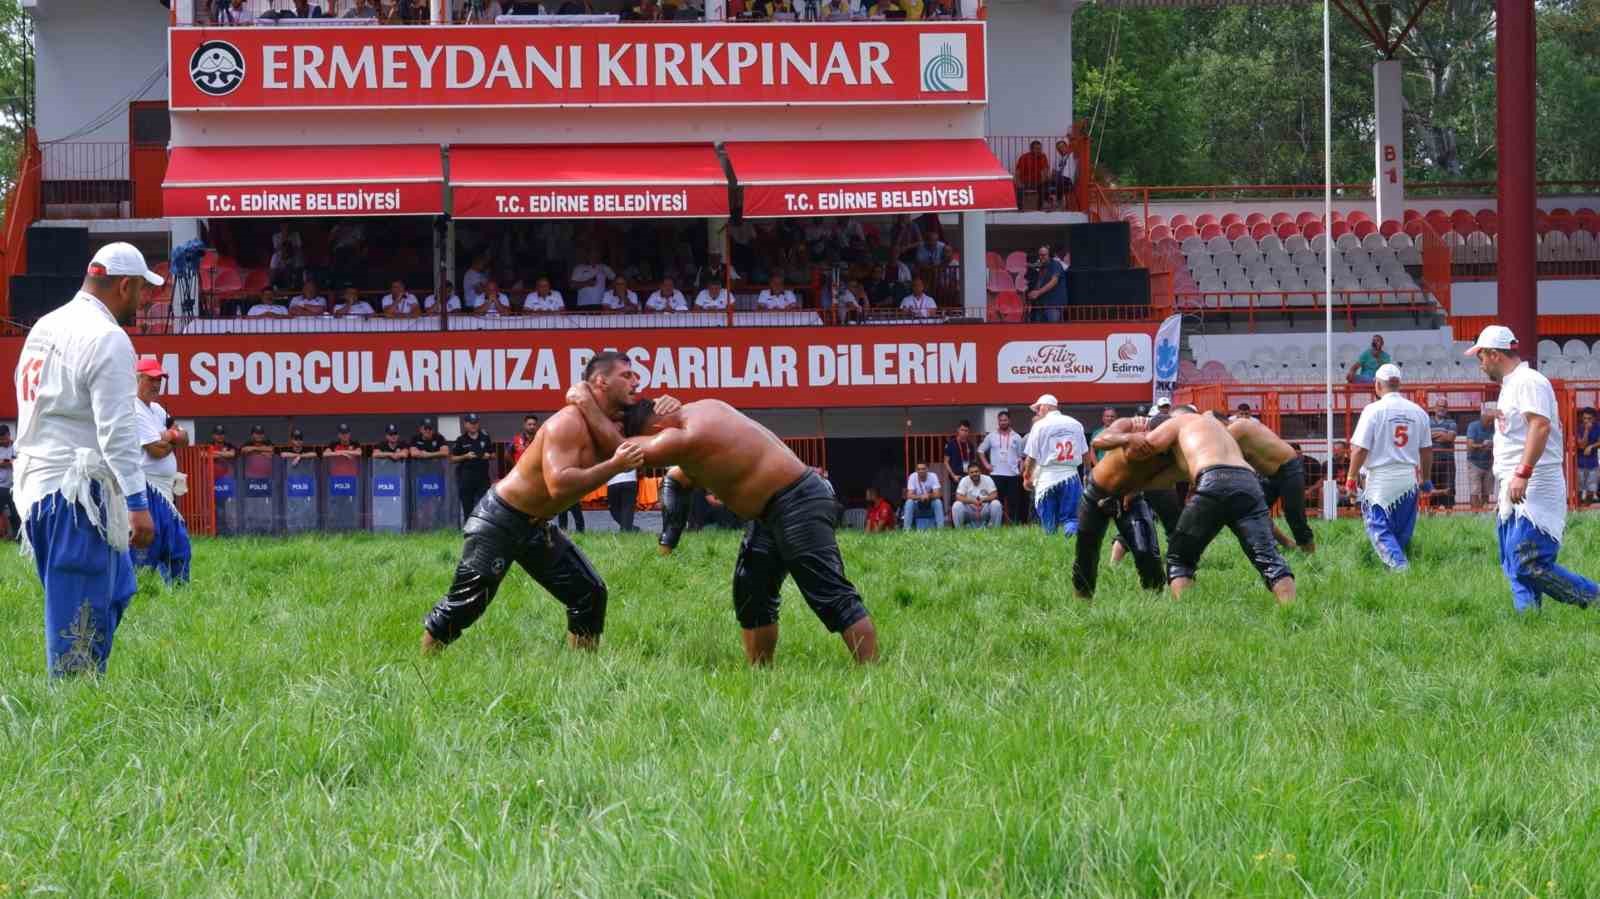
(1330, 490)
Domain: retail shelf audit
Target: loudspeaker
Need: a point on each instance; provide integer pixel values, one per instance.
(1108, 287)
(1098, 245)
(33, 295)
(58, 251)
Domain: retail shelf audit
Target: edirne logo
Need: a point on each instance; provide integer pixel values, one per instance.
(216, 68)
(944, 62)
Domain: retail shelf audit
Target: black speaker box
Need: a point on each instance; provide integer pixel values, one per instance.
(1098, 245)
(58, 251)
(33, 295)
(1108, 287)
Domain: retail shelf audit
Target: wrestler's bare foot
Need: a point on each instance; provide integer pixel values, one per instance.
(663, 550)
(861, 639)
(1086, 597)
(760, 643)
(1180, 584)
(1117, 551)
(430, 646)
(583, 641)
(1308, 548)
(1283, 591)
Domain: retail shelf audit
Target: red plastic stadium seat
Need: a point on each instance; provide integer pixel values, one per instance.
(1416, 228)
(1464, 228)
(1008, 307)
(1340, 228)
(1260, 229)
(1209, 231)
(1179, 220)
(1160, 232)
(1363, 228)
(993, 260)
(1312, 229)
(1560, 212)
(1585, 212)
(1154, 220)
(1485, 215)
(1389, 228)
(1278, 218)
(1230, 219)
(1254, 219)
(1204, 219)
(1358, 216)
(1410, 215)
(1306, 218)
(1287, 230)
(1235, 230)
(1184, 231)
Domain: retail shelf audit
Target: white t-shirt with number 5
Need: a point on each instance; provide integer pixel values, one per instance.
(1394, 431)
(1056, 445)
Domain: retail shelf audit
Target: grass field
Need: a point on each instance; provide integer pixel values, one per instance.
(271, 731)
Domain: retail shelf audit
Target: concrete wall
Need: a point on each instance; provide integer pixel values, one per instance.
(91, 58)
(1192, 208)
(1576, 297)
(1030, 67)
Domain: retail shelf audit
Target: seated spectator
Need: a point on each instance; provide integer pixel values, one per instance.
(352, 305)
(398, 303)
(940, 9)
(619, 298)
(1064, 189)
(309, 301)
(880, 515)
(452, 302)
(258, 442)
(267, 306)
(1032, 171)
(713, 298)
(524, 8)
(297, 451)
(886, 9)
(305, 9)
(849, 303)
(645, 11)
(924, 498)
(835, 10)
(589, 279)
(492, 303)
(776, 297)
(1588, 443)
(667, 298)
(391, 447)
(364, 9)
(543, 299)
(918, 303)
(287, 266)
(1365, 369)
(236, 13)
(977, 499)
(932, 251)
(913, 8)
(797, 263)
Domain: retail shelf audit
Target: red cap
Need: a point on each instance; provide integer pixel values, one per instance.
(150, 367)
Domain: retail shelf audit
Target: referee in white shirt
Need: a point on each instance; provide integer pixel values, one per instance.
(169, 553)
(1533, 484)
(1393, 444)
(79, 478)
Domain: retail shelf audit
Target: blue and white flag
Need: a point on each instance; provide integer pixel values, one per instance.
(1168, 337)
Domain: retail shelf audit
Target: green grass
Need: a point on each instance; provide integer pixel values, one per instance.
(271, 731)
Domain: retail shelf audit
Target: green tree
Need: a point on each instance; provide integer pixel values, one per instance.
(16, 88)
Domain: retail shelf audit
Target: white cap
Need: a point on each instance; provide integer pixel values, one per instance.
(1045, 399)
(121, 260)
(1162, 402)
(1493, 337)
(1388, 371)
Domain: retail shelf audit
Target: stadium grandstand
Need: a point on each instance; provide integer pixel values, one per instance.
(371, 214)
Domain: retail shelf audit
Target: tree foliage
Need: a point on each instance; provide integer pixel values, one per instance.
(16, 88)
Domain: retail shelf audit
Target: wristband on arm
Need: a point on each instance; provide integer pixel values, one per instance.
(1350, 485)
(138, 502)
(1524, 471)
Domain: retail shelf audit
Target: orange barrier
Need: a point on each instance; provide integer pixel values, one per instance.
(812, 450)
(199, 506)
(22, 209)
(1466, 327)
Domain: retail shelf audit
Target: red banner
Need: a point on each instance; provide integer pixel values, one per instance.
(765, 201)
(754, 368)
(609, 202)
(783, 63)
(304, 200)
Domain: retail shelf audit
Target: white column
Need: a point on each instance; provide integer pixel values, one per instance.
(974, 273)
(1389, 105)
(183, 12)
(439, 12)
(447, 424)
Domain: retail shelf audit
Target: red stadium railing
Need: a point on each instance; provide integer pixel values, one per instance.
(22, 209)
(199, 505)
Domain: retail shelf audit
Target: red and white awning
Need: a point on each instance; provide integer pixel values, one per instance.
(292, 182)
(621, 181)
(784, 179)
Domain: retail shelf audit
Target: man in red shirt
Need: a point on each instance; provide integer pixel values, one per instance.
(880, 515)
(524, 438)
(1033, 170)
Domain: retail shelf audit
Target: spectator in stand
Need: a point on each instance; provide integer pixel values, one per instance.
(776, 297)
(1588, 443)
(288, 262)
(1064, 188)
(589, 280)
(400, 303)
(309, 301)
(476, 274)
(1107, 416)
(1365, 369)
(543, 299)
(924, 498)
(8, 505)
(1047, 288)
(1443, 430)
(959, 452)
(849, 303)
(267, 306)
(1001, 452)
(524, 438)
(1032, 172)
(353, 305)
(933, 252)
(1243, 412)
(667, 298)
(713, 298)
(305, 9)
(428, 442)
(622, 497)
(364, 9)
(1480, 456)
(619, 298)
(977, 500)
(236, 13)
(886, 9)
(939, 9)
(452, 302)
(391, 447)
(492, 303)
(471, 453)
(880, 515)
(918, 303)
(297, 451)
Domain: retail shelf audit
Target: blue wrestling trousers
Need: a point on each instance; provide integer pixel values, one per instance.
(169, 554)
(1390, 528)
(1528, 557)
(87, 585)
(1058, 506)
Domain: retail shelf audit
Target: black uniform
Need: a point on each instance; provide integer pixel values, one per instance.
(429, 444)
(498, 535)
(1288, 484)
(1136, 528)
(794, 535)
(472, 475)
(1226, 496)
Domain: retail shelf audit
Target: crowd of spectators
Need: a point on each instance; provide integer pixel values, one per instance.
(418, 12)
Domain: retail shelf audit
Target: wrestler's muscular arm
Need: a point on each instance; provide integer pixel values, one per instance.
(607, 433)
(563, 443)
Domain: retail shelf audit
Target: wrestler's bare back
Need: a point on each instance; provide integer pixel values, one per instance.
(724, 451)
(1265, 451)
(1202, 442)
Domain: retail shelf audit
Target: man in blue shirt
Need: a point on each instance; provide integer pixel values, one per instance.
(1480, 457)
(1047, 296)
(1588, 456)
